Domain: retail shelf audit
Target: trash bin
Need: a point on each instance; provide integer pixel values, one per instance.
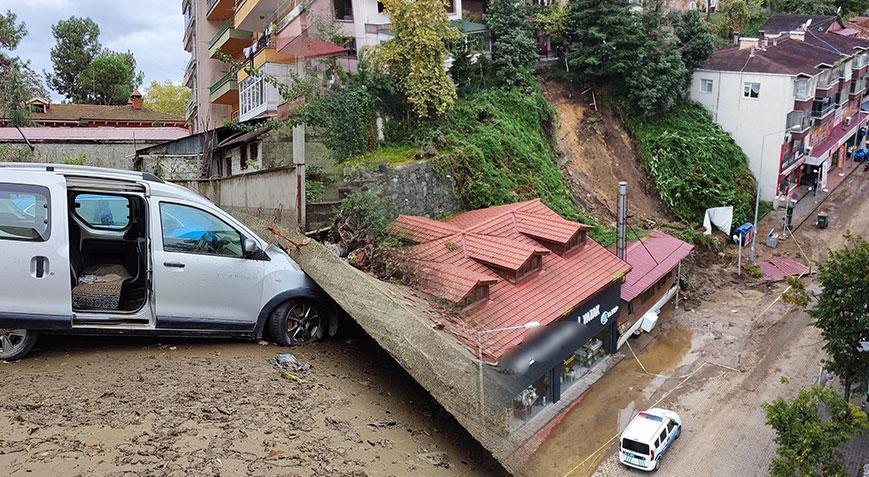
(822, 220)
(772, 239)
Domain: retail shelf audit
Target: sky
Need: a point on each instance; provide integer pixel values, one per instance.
(151, 29)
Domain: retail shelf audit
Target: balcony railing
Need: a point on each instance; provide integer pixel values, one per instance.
(801, 119)
(821, 108)
(226, 26)
(825, 79)
(227, 77)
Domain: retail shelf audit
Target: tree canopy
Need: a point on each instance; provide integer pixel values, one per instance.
(808, 430)
(415, 56)
(112, 77)
(167, 98)
(18, 81)
(514, 49)
(77, 45)
(842, 311)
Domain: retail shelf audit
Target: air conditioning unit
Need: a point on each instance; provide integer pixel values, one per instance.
(787, 138)
(808, 150)
(848, 121)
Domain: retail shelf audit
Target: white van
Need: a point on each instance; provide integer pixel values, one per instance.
(87, 250)
(649, 434)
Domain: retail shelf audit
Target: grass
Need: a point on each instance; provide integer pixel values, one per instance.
(384, 155)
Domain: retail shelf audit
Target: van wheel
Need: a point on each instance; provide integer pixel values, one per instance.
(657, 464)
(15, 344)
(298, 321)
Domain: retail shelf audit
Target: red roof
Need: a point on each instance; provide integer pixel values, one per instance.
(650, 260)
(776, 269)
(420, 229)
(493, 236)
(548, 228)
(101, 134)
(449, 282)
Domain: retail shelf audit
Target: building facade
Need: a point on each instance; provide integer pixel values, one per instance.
(278, 38)
(791, 101)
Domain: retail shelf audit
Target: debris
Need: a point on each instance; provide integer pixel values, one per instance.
(437, 459)
(288, 362)
(382, 424)
(291, 377)
(262, 343)
(294, 243)
(275, 453)
(336, 248)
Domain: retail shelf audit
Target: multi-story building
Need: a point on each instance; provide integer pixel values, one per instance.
(278, 37)
(792, 103)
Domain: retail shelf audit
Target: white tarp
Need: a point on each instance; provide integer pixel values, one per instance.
(721, 217)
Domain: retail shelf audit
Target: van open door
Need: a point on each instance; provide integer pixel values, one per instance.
(34, 252)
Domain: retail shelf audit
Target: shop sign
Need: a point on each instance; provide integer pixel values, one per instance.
(594, 312)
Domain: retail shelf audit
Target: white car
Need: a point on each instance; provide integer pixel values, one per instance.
(648, 435)
(100, 251)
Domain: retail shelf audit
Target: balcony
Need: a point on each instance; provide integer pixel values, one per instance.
(255, 15)
(800, 119)
(225, 90)
(220, 10)
(191, 109)
(257, 97)
(189, 22)
(826, 80)
(264, 52)
(229, 40)
(189, 73)
(822, 107)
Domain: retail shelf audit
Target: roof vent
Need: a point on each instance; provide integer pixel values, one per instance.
(747, 42)
(797, 35)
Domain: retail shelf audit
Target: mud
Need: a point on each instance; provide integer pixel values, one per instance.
(109, 406)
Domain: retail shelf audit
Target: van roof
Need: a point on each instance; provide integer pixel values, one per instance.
(156, 185)
(644, 427)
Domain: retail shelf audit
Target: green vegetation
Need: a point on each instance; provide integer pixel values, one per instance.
(167, 98)
(809, 429)
(75, 160)
(694, 163)
(514, 48)
(18, 81)
(385, 155)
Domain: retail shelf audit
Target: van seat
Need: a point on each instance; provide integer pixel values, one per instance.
(99, 287)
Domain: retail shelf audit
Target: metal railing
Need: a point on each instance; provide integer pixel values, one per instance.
(803, 119)
(214, 39)
(819, 109)
(227, 77)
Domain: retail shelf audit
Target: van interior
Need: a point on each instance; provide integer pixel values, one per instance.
(108, 251)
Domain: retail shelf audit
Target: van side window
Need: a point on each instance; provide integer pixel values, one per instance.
(24, 212)
(103, 212)
(670, 425)
(190, 230)
(663, 436)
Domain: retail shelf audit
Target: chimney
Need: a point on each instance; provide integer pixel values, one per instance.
(747, 42)
(622, 217)
(136, 99)
(798, 35)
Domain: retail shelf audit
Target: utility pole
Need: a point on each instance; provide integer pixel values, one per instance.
(622, 218)
(299, 162)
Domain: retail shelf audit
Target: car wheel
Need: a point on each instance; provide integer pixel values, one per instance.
(657, 465)
(15, 344)
(298, 321)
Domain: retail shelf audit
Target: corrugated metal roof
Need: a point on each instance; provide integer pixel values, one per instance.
(650, 260)
(562, 284)
(776, 269)
(100, 134)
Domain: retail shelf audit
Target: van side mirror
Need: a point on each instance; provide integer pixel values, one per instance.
(249, 248)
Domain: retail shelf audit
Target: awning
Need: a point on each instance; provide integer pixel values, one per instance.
(304, 46)
(243, 137)
(799, 162)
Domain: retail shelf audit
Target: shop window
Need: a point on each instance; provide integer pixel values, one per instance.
(532, 400)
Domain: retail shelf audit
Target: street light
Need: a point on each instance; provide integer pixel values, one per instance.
(527, 326)
(759, 178)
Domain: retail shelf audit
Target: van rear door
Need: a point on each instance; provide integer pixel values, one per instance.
(34, 251)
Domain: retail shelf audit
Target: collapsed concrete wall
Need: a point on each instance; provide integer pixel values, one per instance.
(405, 325)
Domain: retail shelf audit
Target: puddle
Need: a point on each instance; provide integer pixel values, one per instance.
(594, 420)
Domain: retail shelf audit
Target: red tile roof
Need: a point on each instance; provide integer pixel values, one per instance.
(562, 284)
(552, 229)
(420, 229)
(650, 260)
(72, 114)
(449, 282)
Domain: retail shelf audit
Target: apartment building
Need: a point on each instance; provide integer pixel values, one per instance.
(792, 101)
(276, 37)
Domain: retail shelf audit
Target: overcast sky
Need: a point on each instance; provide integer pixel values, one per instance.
(151, 29)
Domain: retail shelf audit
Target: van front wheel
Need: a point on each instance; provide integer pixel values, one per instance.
(298, 321)
(15, 344)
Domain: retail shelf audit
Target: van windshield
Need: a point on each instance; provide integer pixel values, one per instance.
(635, 447)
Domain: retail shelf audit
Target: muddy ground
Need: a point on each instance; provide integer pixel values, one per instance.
(109, 406)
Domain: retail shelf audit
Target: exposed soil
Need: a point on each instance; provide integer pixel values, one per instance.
(596, 153)
(109, 406)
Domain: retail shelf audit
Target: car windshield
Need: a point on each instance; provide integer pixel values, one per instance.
(635, 447)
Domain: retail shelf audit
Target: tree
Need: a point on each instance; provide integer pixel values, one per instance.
(804, 7)
(605, 40)
(167, 98)
(18, 82)
(77, 45)
(809, 429)
(658, 81)
(415, 56)
(842, 311)
(514, 49)
(111, 78)
(553, 20)
(694, 41)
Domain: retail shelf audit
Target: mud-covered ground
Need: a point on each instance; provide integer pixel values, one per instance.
(110, 406)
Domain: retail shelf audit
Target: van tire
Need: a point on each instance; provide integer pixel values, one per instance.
(19, 346)
(298, 321)
(657, 465)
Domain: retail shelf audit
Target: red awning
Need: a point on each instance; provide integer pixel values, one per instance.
(793, 166)
(304, 46)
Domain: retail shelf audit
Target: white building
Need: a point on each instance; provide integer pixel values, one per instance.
(791, 101)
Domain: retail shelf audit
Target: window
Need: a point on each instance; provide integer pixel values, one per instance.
(24, 212)
(37, 108)
(670, 425)
(751, 90)
(343, 9)
(802, 88)
(635, 447)
(250, 94)
(191, 230)
(242, 151)
(380, 7)
(663, 435)
(103, 212)
(705, 85)
(254, 152)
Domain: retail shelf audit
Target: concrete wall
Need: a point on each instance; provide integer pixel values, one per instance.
(411, 189)
(260, 193)
(748, 120)
(173, 167)
(115, 155)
